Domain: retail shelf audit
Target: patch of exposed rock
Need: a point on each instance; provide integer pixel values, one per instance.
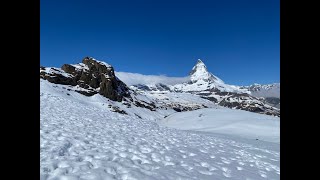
(91, 75)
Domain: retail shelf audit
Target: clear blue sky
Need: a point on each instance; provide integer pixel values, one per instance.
(238, 40)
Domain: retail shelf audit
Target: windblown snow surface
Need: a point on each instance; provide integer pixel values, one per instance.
(82, 139)
(237, 123)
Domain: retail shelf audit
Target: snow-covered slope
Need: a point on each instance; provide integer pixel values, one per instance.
(227, 121)
(81, 138)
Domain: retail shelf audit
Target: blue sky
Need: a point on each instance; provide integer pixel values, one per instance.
(239, 41)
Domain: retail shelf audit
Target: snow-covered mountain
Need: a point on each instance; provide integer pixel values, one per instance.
(206, 85)
(202, 80)
(93, 126)
(267, 90)
(199, 73)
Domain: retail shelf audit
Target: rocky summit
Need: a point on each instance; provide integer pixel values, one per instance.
(200, 73)
(91, 77)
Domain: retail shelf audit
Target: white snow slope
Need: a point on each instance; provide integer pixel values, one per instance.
(228, 121)
(82, 139)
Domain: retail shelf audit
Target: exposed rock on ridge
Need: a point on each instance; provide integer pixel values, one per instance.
(92, 75)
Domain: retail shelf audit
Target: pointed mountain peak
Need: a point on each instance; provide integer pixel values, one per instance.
(200, 72)
(200, 67)
(92, 61)
(199, 61)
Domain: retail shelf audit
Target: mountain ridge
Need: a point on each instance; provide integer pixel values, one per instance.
(96, 77)
(206, 85)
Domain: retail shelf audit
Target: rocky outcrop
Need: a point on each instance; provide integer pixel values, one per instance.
(269, 93)
(91, 75)
(56, 76)
(241, 101)
(273, 101)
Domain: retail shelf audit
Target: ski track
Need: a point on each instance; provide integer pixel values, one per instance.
(78, 141)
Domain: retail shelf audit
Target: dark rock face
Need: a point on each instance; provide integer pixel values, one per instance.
(211, 99)
(156, 87)
(273, 101)
(57, 78)
(94, 76)
(249, 103)
(142, 87)
(162, 87)
(118, 110)
(241, 101)
(177, 109)
(69, 69)
(182, 107)
(151, 107)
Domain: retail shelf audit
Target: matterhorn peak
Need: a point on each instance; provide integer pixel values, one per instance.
(200, 72)
(199, 61)
(200, 67)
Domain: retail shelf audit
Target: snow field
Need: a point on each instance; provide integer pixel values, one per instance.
(83, 140)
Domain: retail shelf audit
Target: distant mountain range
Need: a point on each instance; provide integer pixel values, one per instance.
(268, 90)
(96, 77)
(256, 98)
